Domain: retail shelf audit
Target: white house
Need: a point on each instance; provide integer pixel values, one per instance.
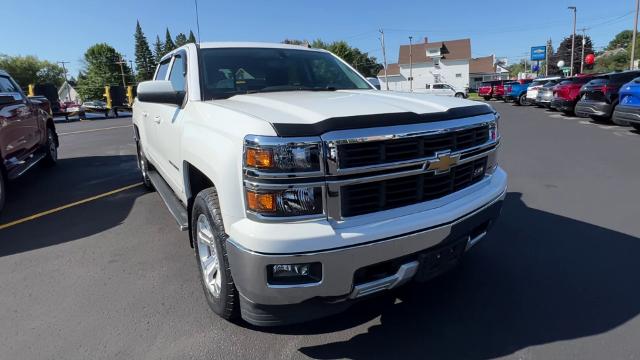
(432, 62)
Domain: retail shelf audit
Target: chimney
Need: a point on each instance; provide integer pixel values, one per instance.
(426, 39)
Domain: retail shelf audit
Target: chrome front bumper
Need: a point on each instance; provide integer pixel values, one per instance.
(249, 268)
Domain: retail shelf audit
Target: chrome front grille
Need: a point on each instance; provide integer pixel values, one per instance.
(388, 151)
(369, 170)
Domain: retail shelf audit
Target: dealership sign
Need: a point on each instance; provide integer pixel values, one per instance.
(538, 53)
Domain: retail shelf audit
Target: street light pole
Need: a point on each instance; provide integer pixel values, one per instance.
(411, 63)
(573, 38)
(635, 32)
(124, 83)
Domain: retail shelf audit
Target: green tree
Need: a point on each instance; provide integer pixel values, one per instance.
(101, 69)
(613, 60)
(169, 45)
(181, 39)
(564, 53)
(365, 64)
(145, 61)
(158, 49)
(622, 40)
(29, 69)
(192, 38)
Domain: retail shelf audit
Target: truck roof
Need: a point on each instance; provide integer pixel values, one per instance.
(234, 44)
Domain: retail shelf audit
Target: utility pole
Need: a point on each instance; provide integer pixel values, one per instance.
(546, 58)
(384, 57)
(121, 62)
(64, 68)
(573, 38)
(197, 21)
(411, 63)
(584, 42)
(633, 40)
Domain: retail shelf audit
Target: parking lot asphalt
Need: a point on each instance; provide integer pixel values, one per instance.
(113, 278)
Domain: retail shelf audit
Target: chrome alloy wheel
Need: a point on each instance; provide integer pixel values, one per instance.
(53, 149)
(209, 262)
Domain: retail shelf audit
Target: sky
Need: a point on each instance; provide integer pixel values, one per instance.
(63, 30)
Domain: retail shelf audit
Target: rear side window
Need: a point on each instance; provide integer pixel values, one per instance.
(624, 77)
(177, 76)
(598, 81)
(161, 74)
(7, 86)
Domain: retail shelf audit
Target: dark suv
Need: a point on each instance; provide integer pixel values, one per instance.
(27, 133)
(599, 97)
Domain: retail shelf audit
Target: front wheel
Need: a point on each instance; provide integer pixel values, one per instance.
(2, 190)
(459, 95)
(487, 98)
(51, 148)
(209, 237)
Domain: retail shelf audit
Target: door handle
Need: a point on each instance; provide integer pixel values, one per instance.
(144, 114)
(156, 119)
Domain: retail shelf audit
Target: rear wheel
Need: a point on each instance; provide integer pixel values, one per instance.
(209, 237)
(51, 148)
(143, 164)
(459, 95)
(487, 98)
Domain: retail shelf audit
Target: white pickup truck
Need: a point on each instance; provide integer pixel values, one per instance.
(303, 188)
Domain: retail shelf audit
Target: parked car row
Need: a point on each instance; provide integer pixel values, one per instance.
(611, 97)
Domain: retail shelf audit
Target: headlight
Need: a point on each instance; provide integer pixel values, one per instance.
(280, 155)
(300, 201)
(268, 161)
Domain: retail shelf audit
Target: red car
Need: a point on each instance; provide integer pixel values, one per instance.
(492, 89)
(27, 133)
(567, 93)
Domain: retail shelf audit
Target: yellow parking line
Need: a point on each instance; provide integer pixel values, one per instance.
(93, 130)
(51, 211)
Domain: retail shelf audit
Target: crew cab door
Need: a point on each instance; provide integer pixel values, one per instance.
(169, 119)
(148, 116)
(19, 131)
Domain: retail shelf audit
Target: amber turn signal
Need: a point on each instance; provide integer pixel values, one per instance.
(259, 158)
(261, 203)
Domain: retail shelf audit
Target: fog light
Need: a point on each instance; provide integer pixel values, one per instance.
(292, 274)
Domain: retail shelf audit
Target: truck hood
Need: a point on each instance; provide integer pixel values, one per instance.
(302, 108)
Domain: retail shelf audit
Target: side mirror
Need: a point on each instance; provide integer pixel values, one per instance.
(160, 91)
(7, 100)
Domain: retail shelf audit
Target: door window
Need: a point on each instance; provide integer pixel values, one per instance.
(177, 76)
(9, 87)
(161, 74)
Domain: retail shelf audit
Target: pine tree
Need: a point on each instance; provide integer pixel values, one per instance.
(145, 61)
(181, 39)
(192, 38)
(158, 50)
(169, 45)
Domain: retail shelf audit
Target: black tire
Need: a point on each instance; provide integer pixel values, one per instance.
(226, 302)
(51, 148)
(459, 95)
(143, 165)
(635, 126)
(522, 100)
(487, 98)
(3, 191)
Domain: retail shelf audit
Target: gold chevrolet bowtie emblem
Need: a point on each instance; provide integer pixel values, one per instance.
(443, 163)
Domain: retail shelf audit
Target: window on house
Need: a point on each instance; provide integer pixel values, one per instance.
(459, 75)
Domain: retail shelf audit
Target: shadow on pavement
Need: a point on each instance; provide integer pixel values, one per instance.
(71, 180)
(538, 278)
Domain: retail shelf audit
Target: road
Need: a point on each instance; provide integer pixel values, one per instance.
(113, 278)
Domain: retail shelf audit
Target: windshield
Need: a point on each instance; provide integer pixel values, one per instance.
(233, 71)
